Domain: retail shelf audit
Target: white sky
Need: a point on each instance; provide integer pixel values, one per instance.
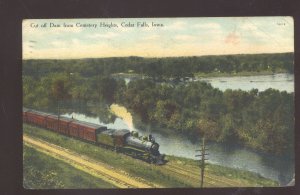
(177, 37)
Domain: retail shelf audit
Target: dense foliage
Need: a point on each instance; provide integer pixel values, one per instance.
(260, 120)
(159, 68)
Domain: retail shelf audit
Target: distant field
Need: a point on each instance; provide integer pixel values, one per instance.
(179, 172)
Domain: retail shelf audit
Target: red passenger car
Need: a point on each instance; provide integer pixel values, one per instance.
(86, 131)
(35, 117)
(64, 124)
(52, 122)
(74, 130)
(71, 127)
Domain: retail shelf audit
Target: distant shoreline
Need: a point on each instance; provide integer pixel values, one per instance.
(214, 74)
(243, 73)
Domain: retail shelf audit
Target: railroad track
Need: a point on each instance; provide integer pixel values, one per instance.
(87, 165)
(229, 182)
(180, 173)
(117, 177)
(192, 177)
(195, 175)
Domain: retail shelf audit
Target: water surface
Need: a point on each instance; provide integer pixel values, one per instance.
(281, 82)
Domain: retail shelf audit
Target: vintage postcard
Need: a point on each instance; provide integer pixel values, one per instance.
(158, 103)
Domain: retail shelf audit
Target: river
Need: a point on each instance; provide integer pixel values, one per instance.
(276, 168)
(282, 82)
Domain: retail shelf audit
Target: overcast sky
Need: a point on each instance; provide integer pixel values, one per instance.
(177, 37)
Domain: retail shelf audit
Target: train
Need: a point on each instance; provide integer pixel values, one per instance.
(120, 140)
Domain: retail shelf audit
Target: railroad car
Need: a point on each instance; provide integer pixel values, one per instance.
(120, 140)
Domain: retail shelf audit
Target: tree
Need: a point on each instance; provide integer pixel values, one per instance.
(228, 129)
(208, 128)
(60, 92)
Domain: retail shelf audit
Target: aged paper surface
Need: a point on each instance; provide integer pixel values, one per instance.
(158, 102)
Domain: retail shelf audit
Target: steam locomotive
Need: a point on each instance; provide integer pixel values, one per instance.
(124, 141)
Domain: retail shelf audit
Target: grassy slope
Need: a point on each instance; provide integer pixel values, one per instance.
(156, 174)
(236, 176)
(132, 166)
(42, 171)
